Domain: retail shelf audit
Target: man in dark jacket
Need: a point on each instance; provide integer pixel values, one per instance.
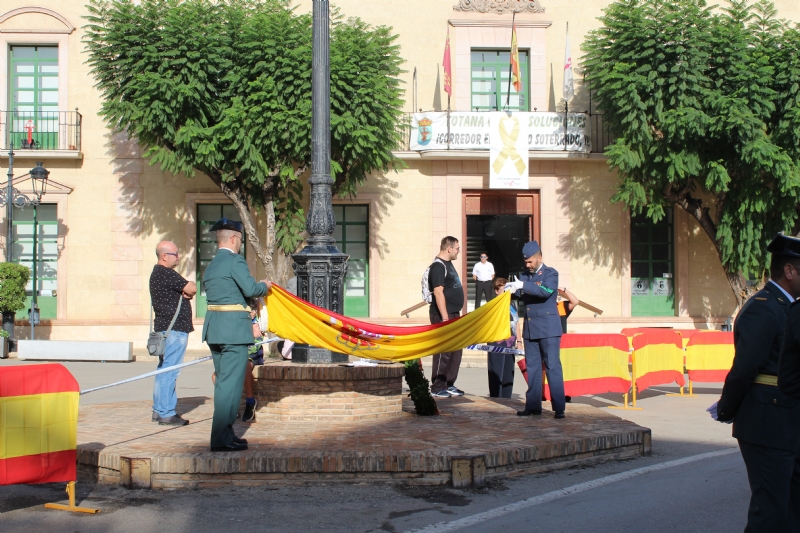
(541, 331)
(766, 422)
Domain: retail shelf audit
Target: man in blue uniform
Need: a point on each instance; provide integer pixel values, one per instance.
(541, 331)
(228, 329)
(766, 422)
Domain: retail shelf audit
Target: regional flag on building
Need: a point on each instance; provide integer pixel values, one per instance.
(448, 68)
(569, 85)
(38, 424)
(516, 78)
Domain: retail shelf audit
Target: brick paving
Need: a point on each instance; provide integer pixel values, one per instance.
(405, 449)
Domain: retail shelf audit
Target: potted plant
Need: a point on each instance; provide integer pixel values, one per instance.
(13, 278)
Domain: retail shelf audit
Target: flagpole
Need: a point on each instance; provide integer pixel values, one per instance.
(508, 91)
(566, 100)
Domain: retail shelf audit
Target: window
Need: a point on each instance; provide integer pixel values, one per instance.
(207, 215)
(490, 75)
(652, 290)
(34, 96)
(352, 235)
(46, 255)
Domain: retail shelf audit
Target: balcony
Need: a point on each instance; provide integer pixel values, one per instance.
(587, 131)
(41, 134)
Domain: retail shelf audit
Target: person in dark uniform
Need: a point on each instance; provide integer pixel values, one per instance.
(228, 329)
(537, 289)
(766, 422)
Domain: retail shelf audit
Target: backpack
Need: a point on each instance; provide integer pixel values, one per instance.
(427, 293)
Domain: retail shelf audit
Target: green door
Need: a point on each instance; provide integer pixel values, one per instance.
(489, 83)
(34, 96)
(46, 256)
(352, 237)
(207, 215)
(652, 288)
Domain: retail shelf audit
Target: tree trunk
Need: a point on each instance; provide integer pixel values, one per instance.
(694, 207)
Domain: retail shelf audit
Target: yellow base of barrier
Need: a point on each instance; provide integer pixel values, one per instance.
(689, 395)
(71, 506)
(624, 405)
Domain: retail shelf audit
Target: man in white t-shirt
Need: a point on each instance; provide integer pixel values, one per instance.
(483, 274)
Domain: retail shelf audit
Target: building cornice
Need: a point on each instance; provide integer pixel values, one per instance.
(499, 7)
(69, 28)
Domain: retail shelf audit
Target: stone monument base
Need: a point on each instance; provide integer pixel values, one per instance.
(289, 391)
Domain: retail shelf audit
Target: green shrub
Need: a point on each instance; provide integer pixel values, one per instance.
(13, 278)
(3, 334)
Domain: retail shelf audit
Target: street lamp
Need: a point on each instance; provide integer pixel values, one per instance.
(320, 266)
(11, 198)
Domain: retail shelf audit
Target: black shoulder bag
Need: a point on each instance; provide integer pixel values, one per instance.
(157, 341)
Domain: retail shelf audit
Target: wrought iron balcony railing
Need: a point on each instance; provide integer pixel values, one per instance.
(600, 135)
(40, 130)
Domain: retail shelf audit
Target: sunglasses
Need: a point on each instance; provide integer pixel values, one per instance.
(483, 256)
(172, 253)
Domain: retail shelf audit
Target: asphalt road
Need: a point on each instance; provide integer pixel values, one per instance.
(693, 482)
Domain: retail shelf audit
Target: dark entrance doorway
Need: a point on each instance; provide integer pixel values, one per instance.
(498, 223)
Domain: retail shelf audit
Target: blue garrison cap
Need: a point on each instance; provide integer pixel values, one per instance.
(530, 249)
(784, 245)
(225, 223)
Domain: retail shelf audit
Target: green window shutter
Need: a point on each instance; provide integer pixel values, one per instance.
(207, 215)
(652, 267)
(46, 256)
(489, 81)
(34, 95)
(352, 236)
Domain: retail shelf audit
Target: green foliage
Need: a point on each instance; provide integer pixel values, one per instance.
(705, 106)
(3, 334)
(224, 88)
(419, 388)
(13, 278)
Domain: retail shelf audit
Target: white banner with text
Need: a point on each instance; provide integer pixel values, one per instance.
(473, 131)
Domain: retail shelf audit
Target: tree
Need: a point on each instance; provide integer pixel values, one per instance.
(224, 88)
(705, 106)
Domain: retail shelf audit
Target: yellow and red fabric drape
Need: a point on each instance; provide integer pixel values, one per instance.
(38, 424)
(300, 321)
(658, 358)
(709, 356)
(594, 364)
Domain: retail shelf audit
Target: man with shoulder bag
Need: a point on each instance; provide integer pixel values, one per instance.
(170, 295)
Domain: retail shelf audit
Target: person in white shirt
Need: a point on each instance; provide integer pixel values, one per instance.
(483, 274)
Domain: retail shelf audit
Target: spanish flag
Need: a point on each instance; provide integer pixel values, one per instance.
(709, 356)
(38, 424)
(658, 359)
(304, 323)
(594, 363)
(516, 78)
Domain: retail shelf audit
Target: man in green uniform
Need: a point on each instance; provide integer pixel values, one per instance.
(766, 422)
(228, 329)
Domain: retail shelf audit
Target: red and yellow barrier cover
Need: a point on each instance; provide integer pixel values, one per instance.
(595, 363)
(300, 321)
(38, 424)
(658, 358)
(709, 356)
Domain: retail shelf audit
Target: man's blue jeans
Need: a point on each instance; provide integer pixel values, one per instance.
(165, 397)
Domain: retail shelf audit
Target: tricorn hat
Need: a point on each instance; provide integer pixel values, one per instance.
(530, 249)
(784, 245)
(225, 223)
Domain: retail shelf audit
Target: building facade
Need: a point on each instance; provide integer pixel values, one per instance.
(106, 207)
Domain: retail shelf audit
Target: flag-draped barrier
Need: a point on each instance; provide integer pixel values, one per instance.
(709, 356)
(305, 323)
(595, 363)
(657, 359)
(39, 424)
(39, 428)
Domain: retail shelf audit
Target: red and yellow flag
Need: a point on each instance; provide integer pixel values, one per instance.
(709, 356)
(595, 363)
(658, 357)
(516, 78)
(38, 424)
(448, 68)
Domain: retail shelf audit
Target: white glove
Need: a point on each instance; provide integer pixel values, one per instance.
(713, 411)
(513, 285)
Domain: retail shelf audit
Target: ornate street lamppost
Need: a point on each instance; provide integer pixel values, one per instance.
(320, 267)
(10, 198)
